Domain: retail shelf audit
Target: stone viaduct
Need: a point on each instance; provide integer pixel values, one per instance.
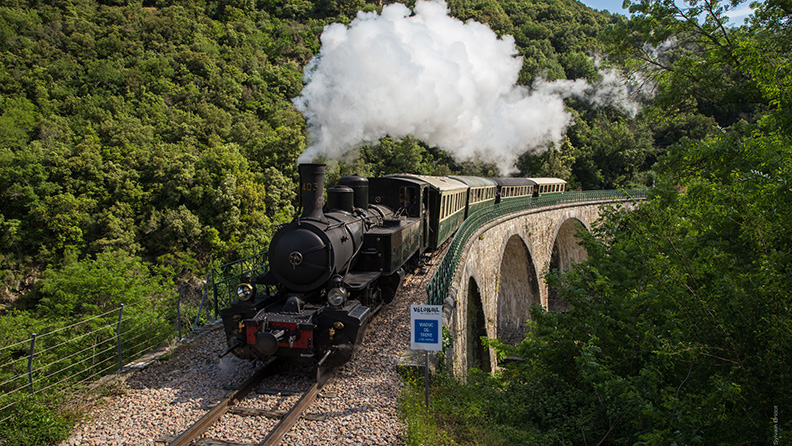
(500, 275)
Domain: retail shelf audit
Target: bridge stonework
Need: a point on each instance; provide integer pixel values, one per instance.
(501, 275)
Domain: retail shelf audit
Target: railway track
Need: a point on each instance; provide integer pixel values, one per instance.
(193, 434)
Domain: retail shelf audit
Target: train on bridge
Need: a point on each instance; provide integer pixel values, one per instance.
(333, 267)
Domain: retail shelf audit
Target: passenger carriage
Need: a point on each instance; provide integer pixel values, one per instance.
(481, 192)
(513, 189)
(548, 186)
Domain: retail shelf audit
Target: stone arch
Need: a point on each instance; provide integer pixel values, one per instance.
(478, 355)
(517, 290)
(566, 252)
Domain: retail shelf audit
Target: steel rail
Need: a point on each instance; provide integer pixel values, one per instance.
(213, 415)
(290, 419)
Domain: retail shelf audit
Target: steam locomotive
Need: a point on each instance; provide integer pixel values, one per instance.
(331, 270)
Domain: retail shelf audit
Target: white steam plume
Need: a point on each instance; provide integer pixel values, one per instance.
(448, 83)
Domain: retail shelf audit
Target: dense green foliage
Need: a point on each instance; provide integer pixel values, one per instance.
(679, 323)
(164, 131)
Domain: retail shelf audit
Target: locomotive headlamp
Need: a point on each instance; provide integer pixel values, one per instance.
(245, 291)
(337, 296)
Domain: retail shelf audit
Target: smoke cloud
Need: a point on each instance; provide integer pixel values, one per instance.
(448, 83)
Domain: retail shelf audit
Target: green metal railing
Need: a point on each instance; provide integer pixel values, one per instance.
(226, 278)
(438, 286)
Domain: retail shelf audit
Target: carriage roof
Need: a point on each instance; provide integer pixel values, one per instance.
(473, 181)
(547, 180)
(441, 183)
(510, 181)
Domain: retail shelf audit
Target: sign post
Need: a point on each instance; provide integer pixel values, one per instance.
(426, 333)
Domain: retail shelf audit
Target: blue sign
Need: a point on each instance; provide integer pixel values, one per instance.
(426, 331)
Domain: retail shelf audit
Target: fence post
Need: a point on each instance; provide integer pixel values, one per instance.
(203, 298)
(30, 362)
(214, 293)
(118, 339)
(178, 310)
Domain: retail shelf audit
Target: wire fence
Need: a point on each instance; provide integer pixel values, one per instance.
(67, 359)
(438, 286)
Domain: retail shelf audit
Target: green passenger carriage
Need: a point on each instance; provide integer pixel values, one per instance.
(481, 192)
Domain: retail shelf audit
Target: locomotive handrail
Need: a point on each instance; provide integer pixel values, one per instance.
(225, 278)
(439, 284)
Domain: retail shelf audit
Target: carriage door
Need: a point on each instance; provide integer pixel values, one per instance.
(425, 217)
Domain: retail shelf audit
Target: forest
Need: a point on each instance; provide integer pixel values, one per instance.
(144, 142)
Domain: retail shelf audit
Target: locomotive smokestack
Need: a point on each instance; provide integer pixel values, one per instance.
(311, 190)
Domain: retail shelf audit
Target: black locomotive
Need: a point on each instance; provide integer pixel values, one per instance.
(331, 270)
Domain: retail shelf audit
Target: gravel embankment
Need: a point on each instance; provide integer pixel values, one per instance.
(168, 396)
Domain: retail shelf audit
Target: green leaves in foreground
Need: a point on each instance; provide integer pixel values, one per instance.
(680, 320)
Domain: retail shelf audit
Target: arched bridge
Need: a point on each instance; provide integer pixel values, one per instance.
(493, 271)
